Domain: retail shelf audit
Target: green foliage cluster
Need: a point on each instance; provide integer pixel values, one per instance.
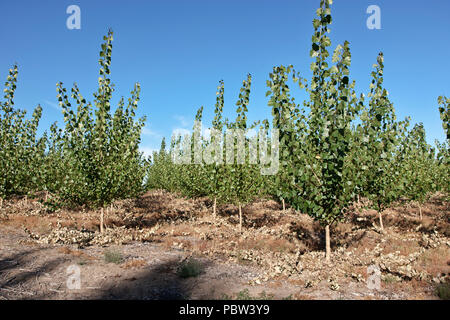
(93, 160)
(190, 268)
(113, 256)
(443, 291)
(22, 153)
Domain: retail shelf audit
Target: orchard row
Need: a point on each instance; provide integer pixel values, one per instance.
(333, 148)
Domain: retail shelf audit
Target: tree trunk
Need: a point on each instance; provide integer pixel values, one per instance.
(381, 220)
(240, 218)
(327, 244)
(101, 221)
(214, 207)
(1, 203)
(284, 205)
(46, 196)
(420, 211)
(107, 213)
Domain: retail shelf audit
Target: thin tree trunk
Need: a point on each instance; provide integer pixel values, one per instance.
(420, 211)
(214, 207)
(46, 196)
(101, 221)
(107, 213)
(381, 220)
(240, 218)
(327, 244)
(284, 205)
(1, 203)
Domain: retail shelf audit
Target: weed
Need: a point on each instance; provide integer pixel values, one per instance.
(112, 256)
(443, 291)
(190, 268)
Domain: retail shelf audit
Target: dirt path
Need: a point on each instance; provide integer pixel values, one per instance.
(148, 271)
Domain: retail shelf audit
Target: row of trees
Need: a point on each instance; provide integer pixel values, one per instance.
(334, 148)
(318, 156)
(92, 160)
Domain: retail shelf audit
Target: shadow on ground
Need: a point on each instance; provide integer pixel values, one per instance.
(19, 273)
(161, 282)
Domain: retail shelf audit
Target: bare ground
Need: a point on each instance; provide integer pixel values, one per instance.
(279, 255)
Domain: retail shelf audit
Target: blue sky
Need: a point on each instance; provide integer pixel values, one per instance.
(179, 50)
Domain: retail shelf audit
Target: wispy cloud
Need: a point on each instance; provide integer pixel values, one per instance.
(53, 105)
(146, 131)
(184, 122)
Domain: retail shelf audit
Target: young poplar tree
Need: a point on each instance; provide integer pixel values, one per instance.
(22, 154)
(216, 169)
(317, 166)
(240, 187)
(381, 134)
(193, 181)
(285, 114)
(98, 151)
(333, 105)
(444, 111)
(444, 148)
(158, 170)
(418, 163)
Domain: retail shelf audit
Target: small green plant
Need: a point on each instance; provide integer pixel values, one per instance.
(443, 291)
(113, 256)
(190, 268)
